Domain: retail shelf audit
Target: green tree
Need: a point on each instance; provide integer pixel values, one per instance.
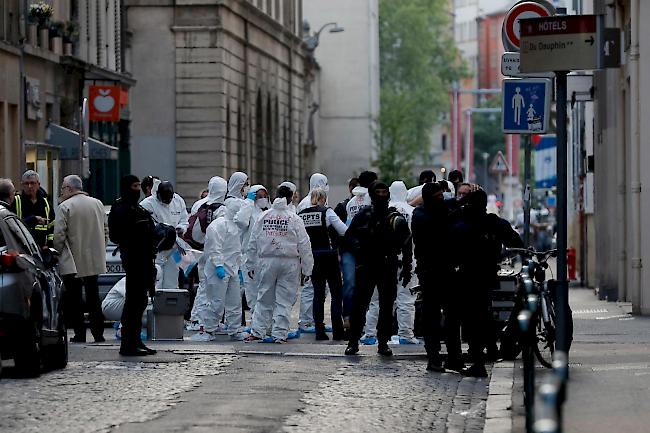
(418, 62)
(488, 136)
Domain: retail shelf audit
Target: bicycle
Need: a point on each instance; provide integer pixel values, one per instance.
(533, 282)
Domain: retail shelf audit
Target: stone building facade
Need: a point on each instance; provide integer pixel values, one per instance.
(221, 88)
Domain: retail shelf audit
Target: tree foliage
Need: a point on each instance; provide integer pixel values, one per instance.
(418, 62)
(488, 136)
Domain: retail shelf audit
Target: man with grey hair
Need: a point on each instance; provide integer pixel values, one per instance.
(33, 207)
(7, 192)
(80, 234)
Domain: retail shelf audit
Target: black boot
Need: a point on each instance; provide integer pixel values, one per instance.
(383, 349)
(352, 349)
(321, 335)
(435, 363)
(476, 370)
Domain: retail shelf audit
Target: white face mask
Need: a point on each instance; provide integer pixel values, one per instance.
(262, 203)
(448, 195)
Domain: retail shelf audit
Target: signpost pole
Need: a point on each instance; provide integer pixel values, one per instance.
(527, 152)
(562, 292)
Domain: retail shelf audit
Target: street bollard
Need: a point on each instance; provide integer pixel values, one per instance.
(524, 318)
(546, 415)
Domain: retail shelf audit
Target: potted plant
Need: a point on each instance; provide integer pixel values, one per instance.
(56, 33)
(70, 35)
(41, 13)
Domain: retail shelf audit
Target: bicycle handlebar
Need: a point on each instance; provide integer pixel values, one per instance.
(539, 255)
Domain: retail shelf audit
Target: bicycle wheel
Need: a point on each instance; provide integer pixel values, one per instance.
(545, 336)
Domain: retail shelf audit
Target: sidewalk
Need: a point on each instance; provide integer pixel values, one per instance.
(610, 368)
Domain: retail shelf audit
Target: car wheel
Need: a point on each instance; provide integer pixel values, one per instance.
(28, 353)
(56, 355)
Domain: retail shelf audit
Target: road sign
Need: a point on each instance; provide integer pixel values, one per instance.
(526, 105)
(510, 30)
(545, 162)
(499, 164)
(510, 67)
(561, 43)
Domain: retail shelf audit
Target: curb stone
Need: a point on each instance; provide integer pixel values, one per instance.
(498, 412)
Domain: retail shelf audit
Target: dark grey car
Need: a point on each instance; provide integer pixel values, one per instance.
(32, 330)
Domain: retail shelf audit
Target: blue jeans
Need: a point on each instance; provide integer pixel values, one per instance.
(348, 265)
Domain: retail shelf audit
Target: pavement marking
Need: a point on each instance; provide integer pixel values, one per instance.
(617, 316)
(590, 311)
(621, 367)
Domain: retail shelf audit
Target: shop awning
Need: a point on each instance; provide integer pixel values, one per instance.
(68, 141)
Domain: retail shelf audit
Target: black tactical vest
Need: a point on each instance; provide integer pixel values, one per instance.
(316, 226)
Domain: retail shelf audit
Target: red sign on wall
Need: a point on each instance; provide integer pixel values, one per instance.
(104, 103)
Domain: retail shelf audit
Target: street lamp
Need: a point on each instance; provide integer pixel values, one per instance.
(311, 42)
(485, 169)
(443, 170)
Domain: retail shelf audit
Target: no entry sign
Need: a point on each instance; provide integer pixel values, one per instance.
(511, 30)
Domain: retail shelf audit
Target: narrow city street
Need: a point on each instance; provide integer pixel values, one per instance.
(220, 386)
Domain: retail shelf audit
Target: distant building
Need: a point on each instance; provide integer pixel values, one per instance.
(346, 90)
(221, 87)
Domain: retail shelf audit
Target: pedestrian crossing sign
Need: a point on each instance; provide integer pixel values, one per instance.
(526, 105)
(499, 164)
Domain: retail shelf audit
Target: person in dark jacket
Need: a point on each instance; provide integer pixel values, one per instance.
(376, 236)
(430, 225)
(478, 239)
(323, 227)
(132, 229)
(34, 209)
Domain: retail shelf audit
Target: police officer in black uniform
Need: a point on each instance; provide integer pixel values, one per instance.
(377, 235)
(323, 227)
(132, 229)
(478, 239)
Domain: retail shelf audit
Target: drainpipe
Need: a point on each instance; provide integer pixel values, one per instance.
(635, 166)
(22, 99)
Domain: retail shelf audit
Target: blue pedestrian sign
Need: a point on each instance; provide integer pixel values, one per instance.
(526, 105)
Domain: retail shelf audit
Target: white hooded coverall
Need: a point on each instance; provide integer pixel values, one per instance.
(279, 249)
(306, 318)
(223, 248)
(405, 301)
(217, 188)
(175, 215)
(251, 285)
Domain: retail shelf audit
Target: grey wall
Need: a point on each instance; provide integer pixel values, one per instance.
(152, 100)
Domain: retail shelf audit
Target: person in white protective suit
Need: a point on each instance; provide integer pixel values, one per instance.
(306, 318)
(260, 196)
(405, 301)
(223, 275)
(238, 185)
(167, 207)
(279, 250)
(295, 198)
(217, 188)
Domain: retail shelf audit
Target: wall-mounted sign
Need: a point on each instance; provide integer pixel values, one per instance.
(104, 103)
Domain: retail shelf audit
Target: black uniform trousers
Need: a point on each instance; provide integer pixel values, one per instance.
(476, 318)
(327, 270)
(140, 276)
(74, 305)
(438, 294)
(382, 274)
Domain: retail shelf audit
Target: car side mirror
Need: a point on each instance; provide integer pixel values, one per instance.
(50, 257)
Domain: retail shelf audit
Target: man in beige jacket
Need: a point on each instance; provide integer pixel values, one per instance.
(80, 234)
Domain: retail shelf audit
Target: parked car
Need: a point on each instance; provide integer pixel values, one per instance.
(114, 271)
(32, 329)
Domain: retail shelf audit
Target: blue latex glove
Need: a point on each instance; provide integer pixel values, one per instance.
(241, 277)
(221, 272)
(252, 195)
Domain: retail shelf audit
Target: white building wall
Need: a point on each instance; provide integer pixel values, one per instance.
(348, 89)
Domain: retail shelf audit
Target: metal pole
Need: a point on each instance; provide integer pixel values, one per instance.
(527, 191)
(562, 293)
(468, 139)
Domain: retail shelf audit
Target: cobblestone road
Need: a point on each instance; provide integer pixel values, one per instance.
(397, 396)
(97, 395)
